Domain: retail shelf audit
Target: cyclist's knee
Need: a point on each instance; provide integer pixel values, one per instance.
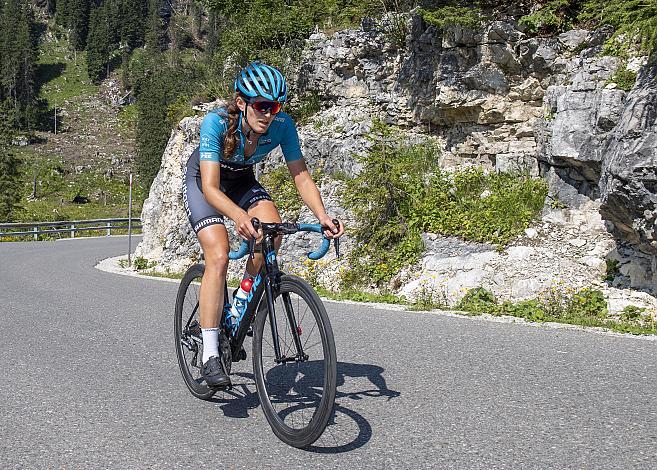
(216, 260)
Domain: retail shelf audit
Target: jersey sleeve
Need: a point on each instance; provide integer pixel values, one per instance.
(213, 129)
(290, 141)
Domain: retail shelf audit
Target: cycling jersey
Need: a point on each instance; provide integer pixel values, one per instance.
(282, 131)
(237, 179)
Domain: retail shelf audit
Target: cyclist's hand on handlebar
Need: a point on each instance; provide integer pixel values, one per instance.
(333, 228)
(245, 227)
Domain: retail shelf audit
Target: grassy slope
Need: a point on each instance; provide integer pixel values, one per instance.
(91, 154)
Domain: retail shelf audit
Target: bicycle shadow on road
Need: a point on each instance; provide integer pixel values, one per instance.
(242, 397)
(347, 430)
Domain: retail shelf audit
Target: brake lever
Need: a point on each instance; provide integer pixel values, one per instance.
(256, 225)
(336, 241)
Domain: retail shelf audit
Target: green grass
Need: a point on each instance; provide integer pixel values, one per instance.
(358, 296)
(63, 78)
(585, 307)
(128, 119)
(57, 186)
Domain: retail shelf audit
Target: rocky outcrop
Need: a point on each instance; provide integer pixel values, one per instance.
(168, 236)
(629, 179)
(494, 98)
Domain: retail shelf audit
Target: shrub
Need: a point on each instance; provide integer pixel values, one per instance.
(624, 79)
(140, 263)
(281, 187)
(478, 300)
(632, 313)
(532, 309)
(402, 192)
(613, 269)
(468, 17)
(553, 17)
(587, 302)
(634, 21)
(304, 107)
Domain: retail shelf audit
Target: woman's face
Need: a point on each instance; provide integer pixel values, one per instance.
(257, 121)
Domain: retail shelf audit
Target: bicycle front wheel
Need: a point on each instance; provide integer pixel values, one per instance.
(298, 394)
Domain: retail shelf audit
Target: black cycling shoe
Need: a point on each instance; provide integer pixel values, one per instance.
(214, 375)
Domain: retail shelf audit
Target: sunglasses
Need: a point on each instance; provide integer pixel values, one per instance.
(265, 107)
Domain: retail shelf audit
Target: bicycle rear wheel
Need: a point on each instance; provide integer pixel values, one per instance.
(187, 331)
(298, 396)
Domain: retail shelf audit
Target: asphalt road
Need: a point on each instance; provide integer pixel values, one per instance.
(89, 379)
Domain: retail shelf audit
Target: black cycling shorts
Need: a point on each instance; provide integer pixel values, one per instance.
(238, 182)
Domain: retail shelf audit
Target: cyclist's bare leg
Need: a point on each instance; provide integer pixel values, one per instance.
(214, 241)
(264, 211)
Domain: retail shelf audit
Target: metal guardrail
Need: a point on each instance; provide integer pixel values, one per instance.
(66, 226)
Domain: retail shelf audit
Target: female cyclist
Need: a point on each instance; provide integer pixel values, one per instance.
(219, 181)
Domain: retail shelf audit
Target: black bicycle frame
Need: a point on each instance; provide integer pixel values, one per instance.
(270, 286)
(272, 280)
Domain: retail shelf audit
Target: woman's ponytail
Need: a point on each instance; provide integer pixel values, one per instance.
(230, 139)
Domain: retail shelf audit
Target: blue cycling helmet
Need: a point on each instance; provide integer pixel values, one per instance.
(258, 79)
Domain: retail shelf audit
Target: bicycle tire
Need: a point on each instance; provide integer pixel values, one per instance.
(271, 390)
(190, 364)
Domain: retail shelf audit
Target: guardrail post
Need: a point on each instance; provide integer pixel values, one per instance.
(109, 228)
(36, 233)
(72, 231)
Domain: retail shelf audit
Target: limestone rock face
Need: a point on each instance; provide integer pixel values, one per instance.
(629, 179)
(168, 235)
(493, 98)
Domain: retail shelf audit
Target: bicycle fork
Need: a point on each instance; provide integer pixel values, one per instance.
(274, 274)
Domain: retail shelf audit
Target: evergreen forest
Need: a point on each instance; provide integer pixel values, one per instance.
(171, 54)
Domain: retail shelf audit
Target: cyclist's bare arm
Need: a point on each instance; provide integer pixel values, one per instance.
(311, 197)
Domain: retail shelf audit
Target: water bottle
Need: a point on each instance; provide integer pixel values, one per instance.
(240, 299)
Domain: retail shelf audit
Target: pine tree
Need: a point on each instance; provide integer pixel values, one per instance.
(10, 182)
(18, 50)
(61, 13)
(154, 35)
(78, 23)
(152, 127)
(212, 39)
(133, 14)
(98, 46)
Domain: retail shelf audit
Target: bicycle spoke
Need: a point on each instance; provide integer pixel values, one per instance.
(309, 335)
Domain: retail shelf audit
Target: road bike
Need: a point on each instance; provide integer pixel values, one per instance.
(294, 358)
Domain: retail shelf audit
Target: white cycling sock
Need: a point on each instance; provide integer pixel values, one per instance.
(210, 343)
